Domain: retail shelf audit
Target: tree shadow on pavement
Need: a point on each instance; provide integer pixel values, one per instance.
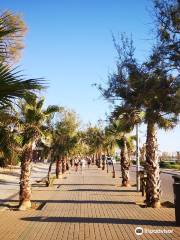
(100, 220)
(84, 184)
(74, 201)
(101, 190)
(6, 182)
(15, 174)
(88, 202)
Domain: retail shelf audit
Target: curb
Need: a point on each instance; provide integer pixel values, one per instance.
(176, 172)
(167, 171)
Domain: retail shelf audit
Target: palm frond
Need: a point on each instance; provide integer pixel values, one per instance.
(8, 142)
(12, 31)
(40, 103)
(29, 101)
(13, 85)
(31, 133)
(6, 117)
(51, 109)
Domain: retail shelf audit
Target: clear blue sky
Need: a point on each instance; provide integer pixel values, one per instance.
(69, 43)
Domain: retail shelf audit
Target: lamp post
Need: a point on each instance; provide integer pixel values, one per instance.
(137, 159)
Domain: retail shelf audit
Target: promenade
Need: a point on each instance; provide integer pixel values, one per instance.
(87, 205)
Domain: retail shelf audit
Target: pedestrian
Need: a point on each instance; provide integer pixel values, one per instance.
(89, 162)
(67, 166)
(71, 162)
(76, 163)
(81, 163)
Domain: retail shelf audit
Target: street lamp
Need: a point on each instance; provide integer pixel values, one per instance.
(137, 159)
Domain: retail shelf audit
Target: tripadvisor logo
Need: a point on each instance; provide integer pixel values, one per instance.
(139, 231)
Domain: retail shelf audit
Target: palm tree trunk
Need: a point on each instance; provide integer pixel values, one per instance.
(107, 166)
(103, 162)
(93, 158)
(58, 167)
(25, 186)
(49, 174)
(63, 165)
(99, 160)
(113, 172)
(125, 165)
(96, 159)
(152, 168)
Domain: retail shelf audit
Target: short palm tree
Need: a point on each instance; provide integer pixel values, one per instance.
(121, 132)
(95, 140)
(64, 138)
(9, 140)
(32, 128)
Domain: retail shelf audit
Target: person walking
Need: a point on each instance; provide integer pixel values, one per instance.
(76, 163)
(89, 162)
(81, 163)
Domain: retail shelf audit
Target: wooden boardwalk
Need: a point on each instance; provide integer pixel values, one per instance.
(87, 205)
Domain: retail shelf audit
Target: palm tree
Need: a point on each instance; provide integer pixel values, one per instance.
(32, 128)
(12, 83)
(12, 31)
(79, 145)
(166, 16)
(108, 148)
(120, 130)
(65, 138)
(9, 139)
(94, 139)
(161, 110)
(147, 88)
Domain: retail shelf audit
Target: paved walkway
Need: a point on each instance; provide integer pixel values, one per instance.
(87, 205)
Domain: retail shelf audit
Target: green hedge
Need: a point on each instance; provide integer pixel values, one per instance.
(141, 162)
(171, 165)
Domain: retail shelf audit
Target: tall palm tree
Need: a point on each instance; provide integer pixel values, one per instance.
(147, 88)
(161, 111)
(32, 128)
